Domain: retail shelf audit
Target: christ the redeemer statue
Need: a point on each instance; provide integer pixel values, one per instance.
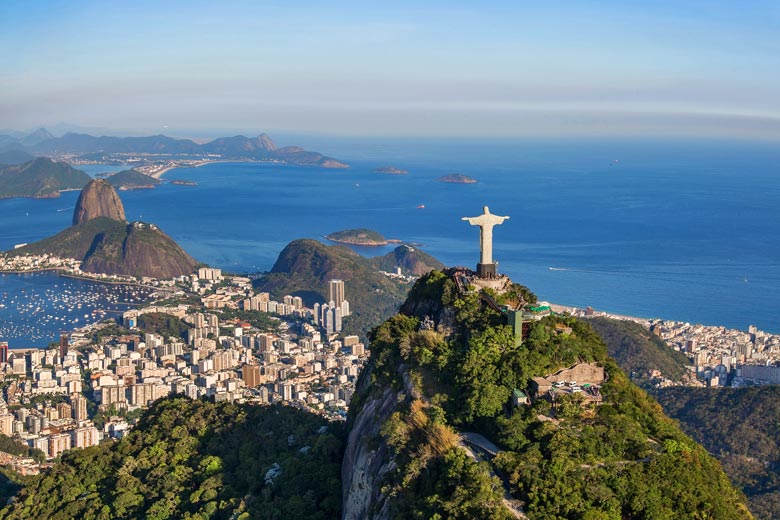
(486, 267)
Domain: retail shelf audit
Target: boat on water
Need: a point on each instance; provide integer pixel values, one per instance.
(421, 206)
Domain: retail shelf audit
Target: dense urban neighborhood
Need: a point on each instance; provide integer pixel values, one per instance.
(229, 344)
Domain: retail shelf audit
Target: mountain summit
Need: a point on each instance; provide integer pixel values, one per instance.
(481, 403)
(38, 136)
(98, 199)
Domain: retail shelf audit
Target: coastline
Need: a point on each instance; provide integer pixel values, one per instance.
(159, 173)
(65, 274)
(353, 243)
(387, 242)
(580, 312)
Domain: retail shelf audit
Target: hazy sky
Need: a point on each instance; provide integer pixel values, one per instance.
(503, 68)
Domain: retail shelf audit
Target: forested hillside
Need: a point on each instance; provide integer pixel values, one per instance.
(608, 454)
(741, 427)
(198, 459)
(305, 266)
(637, 350)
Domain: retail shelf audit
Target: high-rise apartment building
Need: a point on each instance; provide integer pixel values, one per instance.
(251, 375)
(336, 292)
(63, 345)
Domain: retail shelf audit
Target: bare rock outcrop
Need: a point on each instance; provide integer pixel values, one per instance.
(367, 460)
(98, 199)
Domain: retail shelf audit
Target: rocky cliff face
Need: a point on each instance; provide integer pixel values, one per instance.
(98, 199)
(367, 460)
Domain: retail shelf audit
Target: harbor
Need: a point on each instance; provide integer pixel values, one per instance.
(36, 307)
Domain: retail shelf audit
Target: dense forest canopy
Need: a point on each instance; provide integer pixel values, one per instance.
(198, 459)
(741, 427)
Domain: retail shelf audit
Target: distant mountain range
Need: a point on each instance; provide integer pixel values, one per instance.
(239, 147)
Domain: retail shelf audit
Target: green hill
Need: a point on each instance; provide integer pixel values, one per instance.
(40, 178)
(411, 260)
(132, 179)
(109, 246)
(740, 427)
(637, 350)
(304, 268)
(197, 459)
(434, 384)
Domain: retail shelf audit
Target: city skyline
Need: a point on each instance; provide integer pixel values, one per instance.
(565, 68)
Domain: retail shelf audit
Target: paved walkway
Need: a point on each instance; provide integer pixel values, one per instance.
(480, 449)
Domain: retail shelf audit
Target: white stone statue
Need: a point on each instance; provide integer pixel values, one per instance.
(486, 221)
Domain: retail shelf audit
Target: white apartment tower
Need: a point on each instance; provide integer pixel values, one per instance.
(336, 292)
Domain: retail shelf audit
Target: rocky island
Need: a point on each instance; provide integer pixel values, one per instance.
(358, 237)
(457, 178)
(392, 170)
(180, 182)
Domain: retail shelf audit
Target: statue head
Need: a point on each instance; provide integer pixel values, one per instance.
(486, 209)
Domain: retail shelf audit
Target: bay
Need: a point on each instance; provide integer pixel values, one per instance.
(36, 307)
(686, 230)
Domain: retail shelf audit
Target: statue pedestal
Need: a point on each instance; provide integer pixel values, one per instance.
(486, 270)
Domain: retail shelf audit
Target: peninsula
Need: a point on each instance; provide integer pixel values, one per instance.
(392, 170)
(457, 178)
(358, 237)
(132, 180)
(40, 178)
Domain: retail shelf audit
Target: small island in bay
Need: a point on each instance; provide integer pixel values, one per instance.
(392, 170)
(180, 182)
(457, 178)
(358, 237)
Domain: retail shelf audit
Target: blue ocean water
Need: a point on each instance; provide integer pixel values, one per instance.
(686, 230)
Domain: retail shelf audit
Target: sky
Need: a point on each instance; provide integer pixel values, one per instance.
(581, 67)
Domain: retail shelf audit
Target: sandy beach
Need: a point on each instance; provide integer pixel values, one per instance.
(159, 173)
